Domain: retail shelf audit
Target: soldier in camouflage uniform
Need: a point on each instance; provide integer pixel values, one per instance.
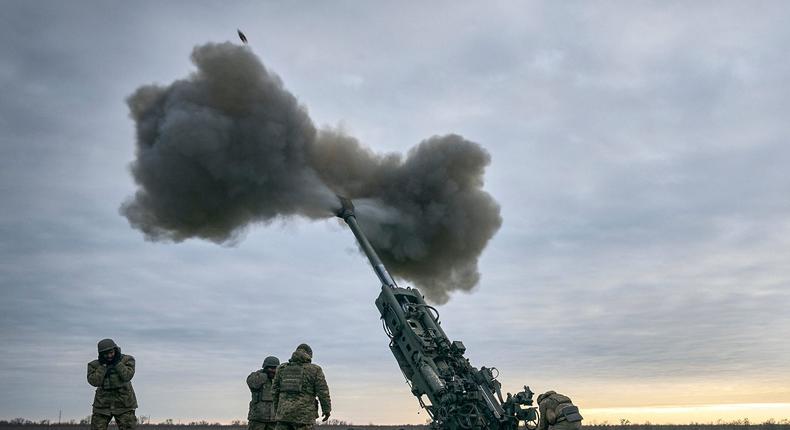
(261, 416)
(112, 374)
(296, 386)
(558, 413)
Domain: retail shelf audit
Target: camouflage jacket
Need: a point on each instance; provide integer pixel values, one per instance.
(557, 412)
(296, 386)
(261, 404)
(114, 392)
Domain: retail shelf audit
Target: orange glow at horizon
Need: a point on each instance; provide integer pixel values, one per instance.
(716, 413)
(756, 413)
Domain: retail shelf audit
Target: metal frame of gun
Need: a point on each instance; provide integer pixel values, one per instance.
(455, 394)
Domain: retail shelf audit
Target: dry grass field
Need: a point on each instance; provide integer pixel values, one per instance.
(738, 425)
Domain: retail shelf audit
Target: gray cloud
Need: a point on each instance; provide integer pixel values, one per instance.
(638, 160)
(230, 146)
(220, 150)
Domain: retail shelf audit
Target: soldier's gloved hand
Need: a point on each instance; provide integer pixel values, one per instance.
(326, 417)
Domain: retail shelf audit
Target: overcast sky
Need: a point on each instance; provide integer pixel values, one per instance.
(639, 154)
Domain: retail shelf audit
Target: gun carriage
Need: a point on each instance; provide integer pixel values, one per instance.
(455, 394)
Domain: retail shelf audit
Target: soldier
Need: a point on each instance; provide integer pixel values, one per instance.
(112, 374)
(296, 386)
(558, 413)
(261, 416)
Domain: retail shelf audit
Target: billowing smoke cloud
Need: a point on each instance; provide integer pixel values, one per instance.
(426, 215)
(230, 146)
(221, 149)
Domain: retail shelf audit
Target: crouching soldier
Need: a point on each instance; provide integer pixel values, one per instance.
(261, 415)
(558, 413)
(112, 376)
(296, 386)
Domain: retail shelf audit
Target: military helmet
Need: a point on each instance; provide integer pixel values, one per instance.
(306, 348)
(106, 345)
(545, 395)
(270, 361)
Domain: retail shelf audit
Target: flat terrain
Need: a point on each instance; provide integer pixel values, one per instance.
(782, 425)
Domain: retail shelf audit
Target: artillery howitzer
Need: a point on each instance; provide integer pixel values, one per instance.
(459, 396)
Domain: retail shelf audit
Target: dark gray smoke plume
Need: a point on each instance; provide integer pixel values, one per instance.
(230, 146)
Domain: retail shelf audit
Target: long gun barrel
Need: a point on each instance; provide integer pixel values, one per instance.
(347, 213)
(455, 394)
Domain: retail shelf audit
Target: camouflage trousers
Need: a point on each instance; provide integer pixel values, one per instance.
(565, 425)
(125, 421)
(259, 425)
(284, 425)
